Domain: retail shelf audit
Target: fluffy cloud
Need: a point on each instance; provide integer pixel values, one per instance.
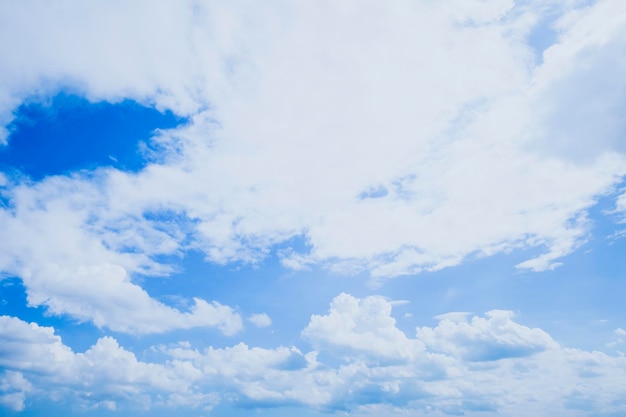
(71, 45)
(36, 353)
(388, 159)
(466, 372)
(366, 326)
(13, 390)
(392, 137)
(36, 356)
(73, 256)
(485, 339)
(488, 363)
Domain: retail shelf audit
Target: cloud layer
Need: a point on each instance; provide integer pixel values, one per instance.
(489, 363)
(392, 139)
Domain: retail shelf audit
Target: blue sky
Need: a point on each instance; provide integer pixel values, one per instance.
(227, 208)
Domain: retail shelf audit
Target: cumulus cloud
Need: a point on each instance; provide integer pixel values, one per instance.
(489, 338)
(473, 376)
(361, 325)
(36, 355)
(490, 363)
(366, 325)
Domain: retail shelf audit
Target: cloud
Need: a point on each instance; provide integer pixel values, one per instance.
(620, 206)
(473, 376)
(363, 326)
(389, 138)
(87, 293)
(13, 390)
(484, 339)
(383, 159)
(28, 346)
(71, 46)
(36, 356)
(73, 261)
(619, 335)
(489, 363)
(260, 320)
(472, 162)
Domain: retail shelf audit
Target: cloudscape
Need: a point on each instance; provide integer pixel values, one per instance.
(314, 208)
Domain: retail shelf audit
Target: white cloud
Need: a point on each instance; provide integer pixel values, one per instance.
(36, 357)
(467, 162)
(392, 137)
(484, 339)
(37, 354)
(398, 138)
(546, 378)
(13, 390)
(72, 45)
(32, 348)
(260, 320)
(620, 206)
(619, 335)
(73, 256)
(361, 326)
(14, 401)
(489, 363)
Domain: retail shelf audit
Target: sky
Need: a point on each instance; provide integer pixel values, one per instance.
(316, 208)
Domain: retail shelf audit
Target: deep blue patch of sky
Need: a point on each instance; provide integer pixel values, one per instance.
(69, 133)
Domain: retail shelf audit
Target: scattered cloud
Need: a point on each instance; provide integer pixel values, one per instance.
(389, 138)
(619, 335)
(486, 363)
(260, 320)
